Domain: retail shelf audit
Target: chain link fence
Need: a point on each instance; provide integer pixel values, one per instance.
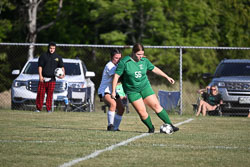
(185, 64)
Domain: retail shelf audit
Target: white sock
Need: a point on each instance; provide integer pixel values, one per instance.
(111, 117)
(117, 121)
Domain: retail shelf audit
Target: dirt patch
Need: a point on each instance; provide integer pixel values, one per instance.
(5, 99)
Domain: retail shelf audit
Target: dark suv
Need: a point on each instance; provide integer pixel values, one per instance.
(232, 76)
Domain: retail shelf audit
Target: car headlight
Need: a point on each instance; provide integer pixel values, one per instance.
(221, 84)
(19, 83)
(76, 84)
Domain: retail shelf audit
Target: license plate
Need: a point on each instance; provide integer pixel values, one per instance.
(244, 100)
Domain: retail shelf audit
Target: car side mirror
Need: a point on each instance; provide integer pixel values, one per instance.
(90, 74)
(15, 72)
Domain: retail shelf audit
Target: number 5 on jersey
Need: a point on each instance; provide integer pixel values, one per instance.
(138, 74)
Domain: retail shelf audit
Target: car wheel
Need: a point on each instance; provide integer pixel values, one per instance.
(15, 106)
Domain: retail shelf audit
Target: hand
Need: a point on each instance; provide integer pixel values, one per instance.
(41, 79)
(113, 95)
(61, 77)
(201, 91)
(171, 80)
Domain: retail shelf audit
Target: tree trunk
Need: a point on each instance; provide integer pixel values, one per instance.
(32, 27)
(32, 14)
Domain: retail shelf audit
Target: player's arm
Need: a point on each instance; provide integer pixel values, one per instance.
(62, 66)
(201, 91)
(63, 71)
(114, 83)
(158, 71)
(40, 70)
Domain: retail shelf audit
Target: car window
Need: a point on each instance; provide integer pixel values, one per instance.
(31, 68)
(70, 68)
(233, 69)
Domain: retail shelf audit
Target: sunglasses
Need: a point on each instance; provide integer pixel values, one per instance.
(213, 89)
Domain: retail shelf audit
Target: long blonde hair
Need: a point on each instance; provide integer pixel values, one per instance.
(216, 88)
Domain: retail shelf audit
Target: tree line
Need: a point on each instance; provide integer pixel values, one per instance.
(125, 22)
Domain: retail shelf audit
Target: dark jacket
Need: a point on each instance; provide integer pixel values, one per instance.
(49, 62)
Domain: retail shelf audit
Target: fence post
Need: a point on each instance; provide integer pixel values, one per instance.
(181, 81)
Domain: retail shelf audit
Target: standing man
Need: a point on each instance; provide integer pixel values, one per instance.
(47, 64)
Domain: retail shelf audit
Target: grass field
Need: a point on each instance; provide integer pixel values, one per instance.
(42, 139)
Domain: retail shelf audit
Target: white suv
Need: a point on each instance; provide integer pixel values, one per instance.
(74, 91)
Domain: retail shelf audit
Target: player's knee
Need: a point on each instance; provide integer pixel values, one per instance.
(143, 116)
(156, 107)
(113, 105)
(202, 102)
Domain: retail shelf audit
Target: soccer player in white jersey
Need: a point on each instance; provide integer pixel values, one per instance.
(105, 90)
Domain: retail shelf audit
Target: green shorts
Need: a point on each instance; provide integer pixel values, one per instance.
(143, 94)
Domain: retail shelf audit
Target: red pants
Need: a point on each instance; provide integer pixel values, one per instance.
(48, 88)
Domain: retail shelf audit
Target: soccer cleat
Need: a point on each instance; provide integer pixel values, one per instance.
(110, 127)
(37, 111)
(49, 111)
(152, 130)
(174, 128)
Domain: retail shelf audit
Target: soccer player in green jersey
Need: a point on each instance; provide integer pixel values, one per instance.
(136, 85)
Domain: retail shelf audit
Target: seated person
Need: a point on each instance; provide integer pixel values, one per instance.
(210, 100)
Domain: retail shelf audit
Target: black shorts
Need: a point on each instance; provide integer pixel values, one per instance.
(100, 96)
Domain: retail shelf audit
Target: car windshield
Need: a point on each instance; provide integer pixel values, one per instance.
(233, 69)
(31, 68)
(70, 68)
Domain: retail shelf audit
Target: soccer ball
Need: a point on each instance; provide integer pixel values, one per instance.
(166, 128)
(58, 72)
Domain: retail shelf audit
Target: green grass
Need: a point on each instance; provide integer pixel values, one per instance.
(42, 139)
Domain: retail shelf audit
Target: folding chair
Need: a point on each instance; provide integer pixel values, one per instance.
(169, 100)
(196, 105)
(81, 101)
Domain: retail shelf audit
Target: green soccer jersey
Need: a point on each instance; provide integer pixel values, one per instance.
(134, 74)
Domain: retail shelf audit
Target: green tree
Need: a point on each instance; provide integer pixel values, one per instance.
(5, 23)
(128, 21)
(5, 28)
(151, 22)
